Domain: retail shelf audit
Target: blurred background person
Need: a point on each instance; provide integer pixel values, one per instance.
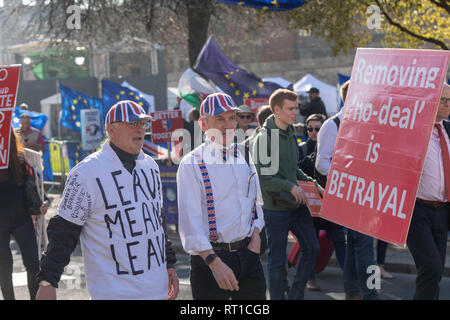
(16, 221)
(245, 118)
(306, 148)
(315, 104)
(31, 137)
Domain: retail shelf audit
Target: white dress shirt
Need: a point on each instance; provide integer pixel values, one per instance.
(326, 140)
(432, 182)
(234, 198)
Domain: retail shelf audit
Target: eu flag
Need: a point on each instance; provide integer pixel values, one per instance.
(237, 82)
(38, 120)
(72, 102)
(75, 153)
(267, 4)
(113, 92)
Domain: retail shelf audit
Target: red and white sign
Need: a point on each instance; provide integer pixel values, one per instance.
(164, 123)
(383, 137)
(5, 135)
(255, 103)
(9, 82)
(313, 199)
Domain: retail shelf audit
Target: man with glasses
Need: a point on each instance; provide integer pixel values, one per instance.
(244, 118)
(427, 236)
(220, 214)
(113, 200)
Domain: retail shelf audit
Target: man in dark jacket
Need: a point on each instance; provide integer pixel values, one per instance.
(315, 104)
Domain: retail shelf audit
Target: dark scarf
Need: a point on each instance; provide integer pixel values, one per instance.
(128, 160)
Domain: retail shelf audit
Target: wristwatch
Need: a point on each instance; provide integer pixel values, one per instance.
(210, 258)
(44, 283)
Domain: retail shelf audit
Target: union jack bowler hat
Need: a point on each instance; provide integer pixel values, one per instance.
(126, 111)
(217, 103)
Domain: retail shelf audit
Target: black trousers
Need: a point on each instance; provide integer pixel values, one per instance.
(247, 269)
(26, 239)
(427, 242)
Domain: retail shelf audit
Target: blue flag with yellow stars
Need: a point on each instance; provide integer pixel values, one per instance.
(72, 102)
(267, 4)
(237, 82)
(113, 92)
(38, 120)
(75, 153)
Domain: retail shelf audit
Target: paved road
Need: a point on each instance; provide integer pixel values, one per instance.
(400, 288)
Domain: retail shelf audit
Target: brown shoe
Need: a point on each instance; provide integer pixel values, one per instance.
(311, 285)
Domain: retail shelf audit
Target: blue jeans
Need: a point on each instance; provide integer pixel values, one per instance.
(278, 224)
(336, 234)
(358, 257)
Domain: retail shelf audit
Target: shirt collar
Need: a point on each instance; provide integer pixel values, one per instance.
(25, 131)
(215, 148)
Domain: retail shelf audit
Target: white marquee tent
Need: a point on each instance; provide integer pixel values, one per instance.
(328, 93)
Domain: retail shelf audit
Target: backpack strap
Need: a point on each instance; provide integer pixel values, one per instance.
(303, 150)
(336, 120)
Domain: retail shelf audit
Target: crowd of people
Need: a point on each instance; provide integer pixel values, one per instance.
(232, 204)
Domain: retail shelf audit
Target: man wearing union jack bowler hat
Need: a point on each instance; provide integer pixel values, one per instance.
(112, 201)
(220, 210)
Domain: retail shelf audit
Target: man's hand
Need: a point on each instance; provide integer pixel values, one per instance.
(46, 293)
(298, 194)
(224, 275)
(43, 209)
(255, 242)
(174, 286)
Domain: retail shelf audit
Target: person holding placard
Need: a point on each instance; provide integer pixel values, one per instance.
(359, 247)
(427, 237)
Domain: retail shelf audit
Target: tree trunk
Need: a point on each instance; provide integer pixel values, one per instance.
(199, 14)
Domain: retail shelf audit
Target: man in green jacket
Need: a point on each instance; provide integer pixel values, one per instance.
(275, 153)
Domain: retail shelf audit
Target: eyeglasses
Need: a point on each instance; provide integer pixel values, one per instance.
(445, 100)
(245, 117)
(311, 129)
(141, 122)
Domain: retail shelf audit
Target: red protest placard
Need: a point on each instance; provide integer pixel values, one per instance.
(383, 137)
(255, 103)
(5, 135)
(164, 123)
(313, 199)
(9, 82)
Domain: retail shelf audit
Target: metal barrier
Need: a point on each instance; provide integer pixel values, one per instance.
(59, 163)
